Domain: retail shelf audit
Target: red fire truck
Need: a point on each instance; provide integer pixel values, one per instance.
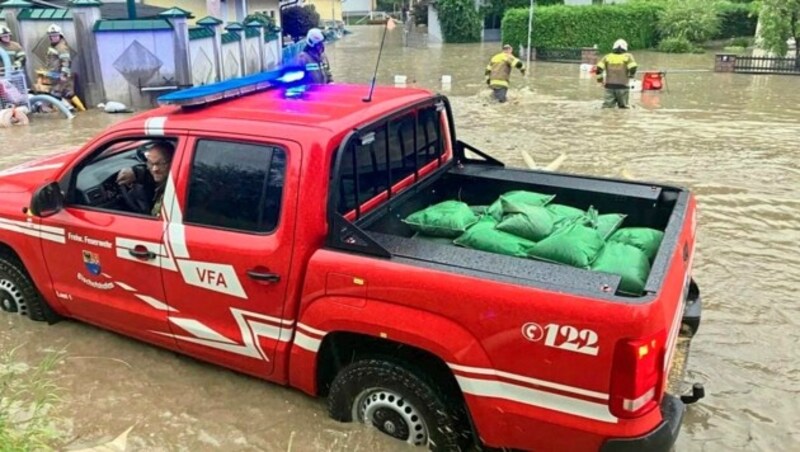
(278, 250)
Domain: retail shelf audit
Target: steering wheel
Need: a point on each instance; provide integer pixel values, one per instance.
(131, 200)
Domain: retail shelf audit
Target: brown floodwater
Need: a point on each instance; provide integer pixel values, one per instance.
(732, 139)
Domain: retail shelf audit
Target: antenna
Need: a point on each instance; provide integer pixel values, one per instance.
(389, 25)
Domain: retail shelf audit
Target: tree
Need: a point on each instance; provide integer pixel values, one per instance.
(297, 20)
(780, 21)
(459, 20)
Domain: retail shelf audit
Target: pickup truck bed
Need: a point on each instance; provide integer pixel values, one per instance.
(657, 207)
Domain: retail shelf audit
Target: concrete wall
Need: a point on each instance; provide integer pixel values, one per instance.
(327, 9)
(252, 54)
(202, 54)
(273, 54)
(230, 60)
(132, 57)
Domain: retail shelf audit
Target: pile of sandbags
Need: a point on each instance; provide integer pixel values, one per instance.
(530, 225)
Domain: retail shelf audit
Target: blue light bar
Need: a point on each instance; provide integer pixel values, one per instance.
(229, 89)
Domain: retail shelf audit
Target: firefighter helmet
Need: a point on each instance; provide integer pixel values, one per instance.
(54, 29)
(314, 37)
(621, 44)
(4, 30)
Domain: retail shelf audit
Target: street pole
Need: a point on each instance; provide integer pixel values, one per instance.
(530, 25)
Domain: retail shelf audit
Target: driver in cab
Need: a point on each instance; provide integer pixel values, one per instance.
(146, 183)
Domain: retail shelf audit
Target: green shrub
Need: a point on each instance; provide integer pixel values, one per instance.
(737, 20)
(695, 20)
(676, 45)
(460, 21)
(741, 41)
(584, 26)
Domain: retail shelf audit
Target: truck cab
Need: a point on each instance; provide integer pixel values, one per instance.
(275, 246)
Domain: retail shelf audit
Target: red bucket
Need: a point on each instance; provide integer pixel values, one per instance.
(652, 81)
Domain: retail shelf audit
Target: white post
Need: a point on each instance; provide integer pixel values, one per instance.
(530, 26)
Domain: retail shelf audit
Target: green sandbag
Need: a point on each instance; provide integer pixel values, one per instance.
(479, 210)
(483, 236)
(646, 239)
(562, 212)
(531, 198)
(627, 261)
(523, 220)
(433, 239)
(605, 224)
(573, 244)
(446, 219)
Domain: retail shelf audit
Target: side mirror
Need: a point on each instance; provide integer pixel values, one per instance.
(47, 200)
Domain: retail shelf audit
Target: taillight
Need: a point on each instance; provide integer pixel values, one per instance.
(637, 376)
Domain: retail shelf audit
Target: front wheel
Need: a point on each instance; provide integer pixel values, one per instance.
(18, 294)
(399, 403)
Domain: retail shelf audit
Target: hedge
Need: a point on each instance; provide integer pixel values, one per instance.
(584, 26)
(736, 21)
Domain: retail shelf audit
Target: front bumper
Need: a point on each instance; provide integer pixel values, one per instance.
(672, 407)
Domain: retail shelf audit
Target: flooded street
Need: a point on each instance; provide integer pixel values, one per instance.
(732, 139)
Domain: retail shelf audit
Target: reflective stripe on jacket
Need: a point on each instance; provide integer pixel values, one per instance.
(618, 68)
(499, 69)
(15, 53)
(316, 67)
(59, 58)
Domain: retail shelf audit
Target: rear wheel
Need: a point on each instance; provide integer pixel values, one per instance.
(399, 403)
(18, 294)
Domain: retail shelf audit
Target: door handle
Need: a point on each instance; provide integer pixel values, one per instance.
(263, 276)
(140, 252)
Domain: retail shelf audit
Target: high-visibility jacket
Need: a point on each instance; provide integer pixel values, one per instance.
(316, 65)
(618, 68)
(499, 69)
(59, 59)
(15, 53)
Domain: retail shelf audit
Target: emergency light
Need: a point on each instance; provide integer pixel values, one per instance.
(289, 78)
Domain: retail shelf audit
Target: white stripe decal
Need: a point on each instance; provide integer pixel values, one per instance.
(155, 125)
(308, 329)
(306, 342)
(199, 330)
(123, 285)
(533, 397)
(32, 232)
(524, 379)
(176, 234)
(153, 302)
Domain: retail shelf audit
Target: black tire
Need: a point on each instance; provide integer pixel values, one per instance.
(18, 294)
(399, 403)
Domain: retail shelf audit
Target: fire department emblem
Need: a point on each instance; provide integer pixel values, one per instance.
(92, 262)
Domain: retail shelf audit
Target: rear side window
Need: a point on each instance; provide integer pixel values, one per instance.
(388, 154)
(236, 186)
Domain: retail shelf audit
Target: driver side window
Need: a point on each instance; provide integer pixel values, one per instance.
(124, 176)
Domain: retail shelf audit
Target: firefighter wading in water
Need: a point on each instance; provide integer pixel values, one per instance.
(15, 52)
(498, 72)
(314, 60)
(59, 61)
(619, 66)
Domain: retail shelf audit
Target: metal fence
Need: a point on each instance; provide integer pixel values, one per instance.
(560, 55)
(767, 65)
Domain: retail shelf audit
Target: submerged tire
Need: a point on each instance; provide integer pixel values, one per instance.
(18, 294)
(398, 403)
